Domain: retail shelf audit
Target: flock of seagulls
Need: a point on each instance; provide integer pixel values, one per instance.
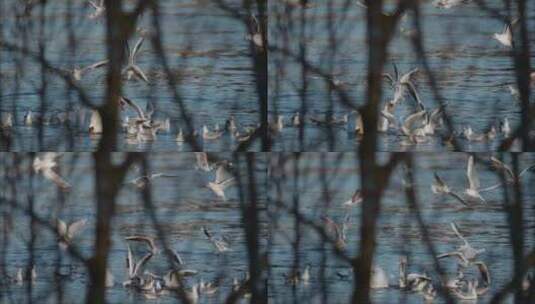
(422, 123)
(462, 285)
(46, 165)
(473, 191)
(138, 278)
(142, 128)
(472, 279)
(417, 127)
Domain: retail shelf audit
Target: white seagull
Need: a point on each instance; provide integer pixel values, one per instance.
(465, 253)
(440, 187)
(66, 233)
(356, 199)
(47, 165)
(223, 180)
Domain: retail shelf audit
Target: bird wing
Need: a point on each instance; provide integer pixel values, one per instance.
(54, 177)
(439, 181)
(222, 174)
(228, 182)
(93, 4)
(391, 118)
(484, 271)
(76, 227)
(149, 109)
(453, 253)
(471, 174)
(411, 120)
(457, 233)
(407, 77)
(141, 263)
(130, 263)
(62, 227)
(498, 164)
(137, 47)
(435, 114)
(460, 199)
(206, 232)
(139, 73)
(141, 238)
(396, 71)
(51, 157)
(526, 170)
(331, 225)
(357, 196)
(389, 78)
(95, 65)
(202, 161)
(414, 94)
(490, 188)
(176, 257)
(135, 106)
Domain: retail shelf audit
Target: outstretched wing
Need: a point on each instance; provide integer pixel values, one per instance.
(222, 175)
(137, 47)
(135, 106)
(54, 177)
(139, 73)
(202, 161)
(411, 120)
(95, 65)
(62, 227)
(471, 174)
(76, 227)
(530, 168)
(141, 238)
(415, 95)
(141, 263)
(460, 199)
(130, 263)
(456, 231)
